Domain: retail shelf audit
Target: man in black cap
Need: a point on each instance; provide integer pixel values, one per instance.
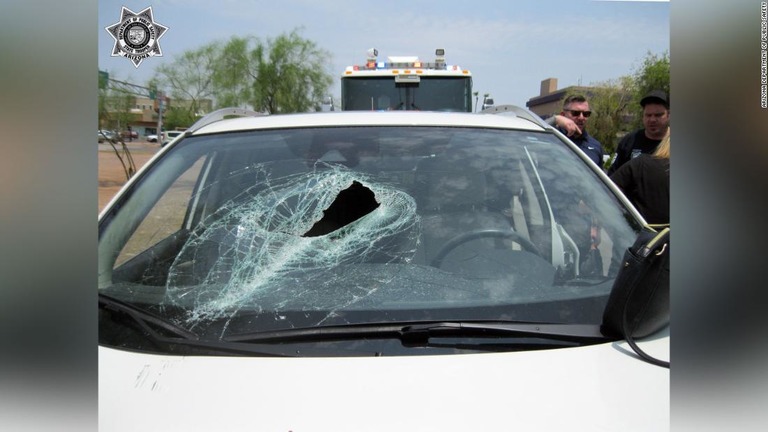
(655, 121)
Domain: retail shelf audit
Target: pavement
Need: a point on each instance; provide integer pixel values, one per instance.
(111, 171)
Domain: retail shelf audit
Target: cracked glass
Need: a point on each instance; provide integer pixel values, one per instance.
(267, 230)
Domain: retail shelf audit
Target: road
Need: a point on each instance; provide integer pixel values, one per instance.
(111, 172)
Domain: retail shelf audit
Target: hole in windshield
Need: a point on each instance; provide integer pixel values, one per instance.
(350, 205)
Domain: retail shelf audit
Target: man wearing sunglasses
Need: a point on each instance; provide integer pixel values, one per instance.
(577, 218)
(644, 141)
(572, 121)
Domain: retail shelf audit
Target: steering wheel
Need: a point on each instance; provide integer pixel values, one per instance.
(460, 239)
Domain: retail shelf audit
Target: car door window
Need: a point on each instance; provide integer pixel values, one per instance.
(165, 218)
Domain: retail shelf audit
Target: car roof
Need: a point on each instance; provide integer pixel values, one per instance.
(368, 118)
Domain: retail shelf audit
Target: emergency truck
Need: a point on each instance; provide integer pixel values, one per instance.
(406, 83)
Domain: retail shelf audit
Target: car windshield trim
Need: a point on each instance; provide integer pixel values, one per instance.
(420, 331)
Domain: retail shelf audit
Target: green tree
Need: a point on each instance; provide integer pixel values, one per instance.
(189, 81)
(175, 117)
(233, 77)
(115, 114)
(282, 75)
(652, 74)
(290, 74)
(115, 108)
(609, 102)
(615, 104)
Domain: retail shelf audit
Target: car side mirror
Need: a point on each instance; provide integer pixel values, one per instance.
(638, 305)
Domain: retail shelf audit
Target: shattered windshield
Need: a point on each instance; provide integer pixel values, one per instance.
(294, 228)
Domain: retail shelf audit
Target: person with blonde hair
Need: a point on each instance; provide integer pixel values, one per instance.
(645, 181)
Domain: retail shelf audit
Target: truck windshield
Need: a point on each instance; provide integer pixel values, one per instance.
(384, 94)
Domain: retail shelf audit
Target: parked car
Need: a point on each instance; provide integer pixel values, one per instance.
(169, 136)
(369, 271)
(106, 135)
(152, 137)
(132, 134)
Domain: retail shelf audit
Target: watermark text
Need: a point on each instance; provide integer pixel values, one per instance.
(764, 54)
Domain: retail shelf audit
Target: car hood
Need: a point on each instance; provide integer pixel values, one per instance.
(598, 387)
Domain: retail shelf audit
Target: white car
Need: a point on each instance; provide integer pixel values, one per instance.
(169, 136)
(370, 271)
(106, 135)
(152, 137)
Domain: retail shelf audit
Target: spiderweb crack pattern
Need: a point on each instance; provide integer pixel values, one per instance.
(253, 253)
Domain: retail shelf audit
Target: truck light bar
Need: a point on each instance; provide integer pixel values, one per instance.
(415, 65)
(410, 64)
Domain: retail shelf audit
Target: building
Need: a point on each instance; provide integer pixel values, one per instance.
(142, 115)
(550, 99)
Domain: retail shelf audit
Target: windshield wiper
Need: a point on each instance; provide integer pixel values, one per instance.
(419, 333)
(171, 334)
(148, 321)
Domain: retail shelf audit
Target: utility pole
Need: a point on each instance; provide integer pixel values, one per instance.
(160, 106)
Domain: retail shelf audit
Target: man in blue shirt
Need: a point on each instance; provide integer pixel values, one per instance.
(572, 121)
(576, 217)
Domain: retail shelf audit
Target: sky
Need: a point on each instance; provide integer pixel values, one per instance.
(509, 46)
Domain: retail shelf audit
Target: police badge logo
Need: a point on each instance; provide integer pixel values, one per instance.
(137, 36)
